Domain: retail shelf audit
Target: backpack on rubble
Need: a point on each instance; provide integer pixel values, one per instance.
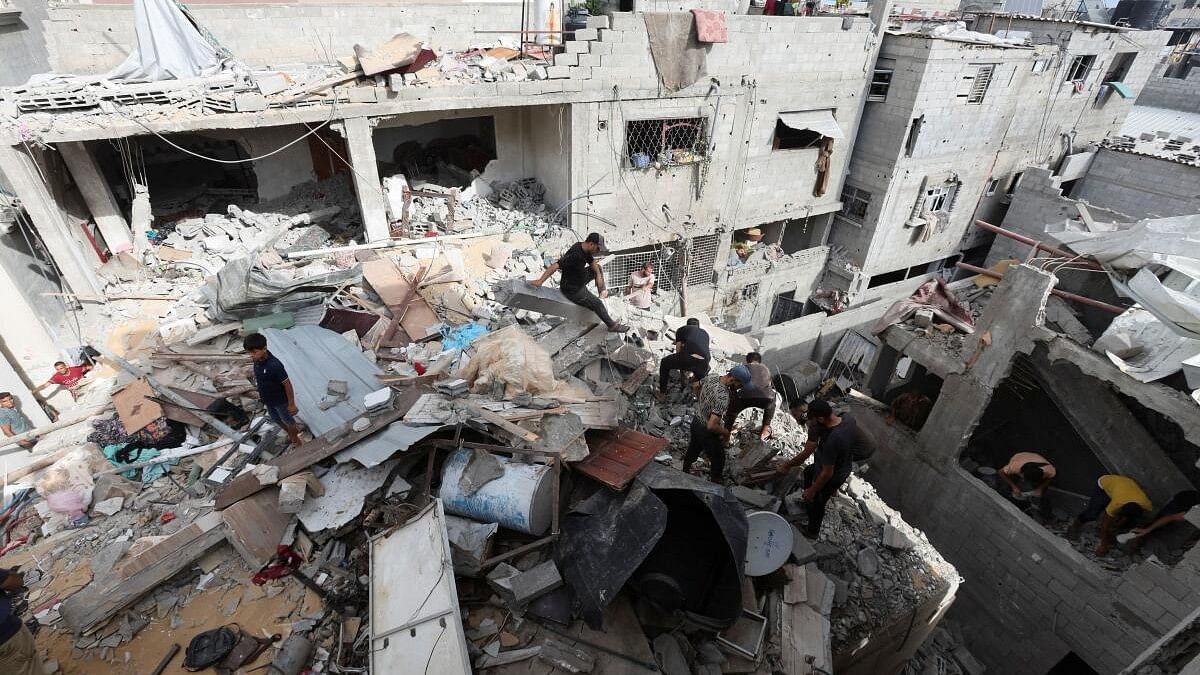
(209, 647)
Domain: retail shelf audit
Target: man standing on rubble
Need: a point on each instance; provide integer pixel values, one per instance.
(837, 441)
(18, 652)
(575, 265)
(708, 435)
(274, 387)
(754, 390)
(691, 356)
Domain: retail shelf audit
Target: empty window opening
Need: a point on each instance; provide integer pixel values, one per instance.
(888, 278)
(665, 142)
(1071, 664)
(914, 131)
(787, 138)
(1080, 67)
(1119, 68)
(975, 83)
(805, 129)
(909, 390)
(881, 82)
(854, 203)
(1013, 183)
(445, 152)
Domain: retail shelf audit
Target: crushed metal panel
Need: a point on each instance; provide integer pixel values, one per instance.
(415, 617)
(820, 121)
(618, 456)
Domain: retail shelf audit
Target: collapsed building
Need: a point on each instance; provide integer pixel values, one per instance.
(370, 201)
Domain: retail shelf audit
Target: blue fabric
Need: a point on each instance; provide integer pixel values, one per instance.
(741, 374)
(15, 419)
(460, 338)
(149, 473)
(279, 415)
(269, 376)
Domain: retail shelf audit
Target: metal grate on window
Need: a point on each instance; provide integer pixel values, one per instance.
(983, 78)
(881, 81)
(668, 264)
(665, 142)
(855, 203)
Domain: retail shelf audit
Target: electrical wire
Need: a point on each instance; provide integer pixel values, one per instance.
(312, 130)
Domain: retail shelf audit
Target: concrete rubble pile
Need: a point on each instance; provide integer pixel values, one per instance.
(433, 400)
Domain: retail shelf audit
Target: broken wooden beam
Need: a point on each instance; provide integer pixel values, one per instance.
(255, 526)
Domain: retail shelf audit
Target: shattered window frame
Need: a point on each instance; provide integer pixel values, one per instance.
(855, 204)
(1080, 67)
(673, 141)
(941, 196)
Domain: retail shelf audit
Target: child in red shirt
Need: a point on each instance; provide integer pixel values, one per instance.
(68, 377)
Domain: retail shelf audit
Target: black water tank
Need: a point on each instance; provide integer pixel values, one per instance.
(1141, 14)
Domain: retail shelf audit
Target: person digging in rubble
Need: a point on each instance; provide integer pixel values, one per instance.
(1175, 511)
(274, 387)
(837, 440)
(1118, 501)
(575, 265)
(13, 422)
(67, 377)
(753, 390)
(18, 652)
(691, 356)
(641, 285)
(1035, 471)
(708, 434)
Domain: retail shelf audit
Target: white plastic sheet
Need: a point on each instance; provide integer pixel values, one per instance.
(168, 46)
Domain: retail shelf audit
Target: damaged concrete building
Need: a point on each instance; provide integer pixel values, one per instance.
(955, 225)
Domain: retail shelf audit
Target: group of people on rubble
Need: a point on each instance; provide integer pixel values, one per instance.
(1118, 502)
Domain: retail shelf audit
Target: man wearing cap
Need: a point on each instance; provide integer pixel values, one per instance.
(575, 266)
(753, 390)
(837, 440)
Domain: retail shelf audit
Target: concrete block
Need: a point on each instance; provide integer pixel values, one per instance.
(566, 59)
(362, 94)
(587, 34)
(820, 589)
(517, 293)
(802, 549)
(894, 538)
(598, 22)
(250, 102)
(526, 587)
(757, 498)
(558, 72)
(578, 47)
(588, 60)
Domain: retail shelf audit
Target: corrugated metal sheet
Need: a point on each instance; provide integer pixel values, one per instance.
(1145, 119)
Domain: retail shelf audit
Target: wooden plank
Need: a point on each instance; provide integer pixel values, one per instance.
(211, 332)
(299, 459)
(133, 407)
(255, 526)
(86, 610)
(493, 418)
(618, 456)
(413, 313)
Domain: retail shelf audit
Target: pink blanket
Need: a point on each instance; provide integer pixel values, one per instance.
(934, 295)
(710, 25)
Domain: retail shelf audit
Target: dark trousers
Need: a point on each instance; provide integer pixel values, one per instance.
(1097, 502)
(738, 404)
(713, 447)
(816, 508)
(680, 361)
(584, 298)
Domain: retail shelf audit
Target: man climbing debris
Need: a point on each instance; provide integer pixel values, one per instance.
(708, 434)
(274, 387)
(691, 356)
(753, 390)
(575, 265)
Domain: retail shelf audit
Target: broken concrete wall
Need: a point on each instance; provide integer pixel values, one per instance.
(796, 276)
(89, 39)
(282, 171)
(1029, 598)
(22, 42)
(1172, 92)
(1140, 185)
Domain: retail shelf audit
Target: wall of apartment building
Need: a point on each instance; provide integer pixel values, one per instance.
(1172, 92)
(23, 43)
(955, 146)
(770, 65)
(277, 173)
(1028, 597)
(1140, 185)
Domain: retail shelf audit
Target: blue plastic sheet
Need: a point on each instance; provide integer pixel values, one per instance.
(460, 338)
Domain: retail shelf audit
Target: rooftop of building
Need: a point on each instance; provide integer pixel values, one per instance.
(1173, 135)
(1068, 22)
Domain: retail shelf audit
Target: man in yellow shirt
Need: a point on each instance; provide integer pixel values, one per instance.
(1118, 501)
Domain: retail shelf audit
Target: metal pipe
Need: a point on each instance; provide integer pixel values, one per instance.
(1036, 244)
(1054, 291)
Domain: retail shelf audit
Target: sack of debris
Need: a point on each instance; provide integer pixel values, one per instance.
(511, 356)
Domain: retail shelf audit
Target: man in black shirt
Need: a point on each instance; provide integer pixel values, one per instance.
(837, 441)
(691, 355)
(578, 267)
(18, 653)
(274, 387)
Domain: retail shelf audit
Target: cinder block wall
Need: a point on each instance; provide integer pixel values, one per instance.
(1141, 186)
(1172, 92)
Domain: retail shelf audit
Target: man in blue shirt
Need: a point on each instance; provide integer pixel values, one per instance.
(13, 422)
(274, 387)
(18, 652)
